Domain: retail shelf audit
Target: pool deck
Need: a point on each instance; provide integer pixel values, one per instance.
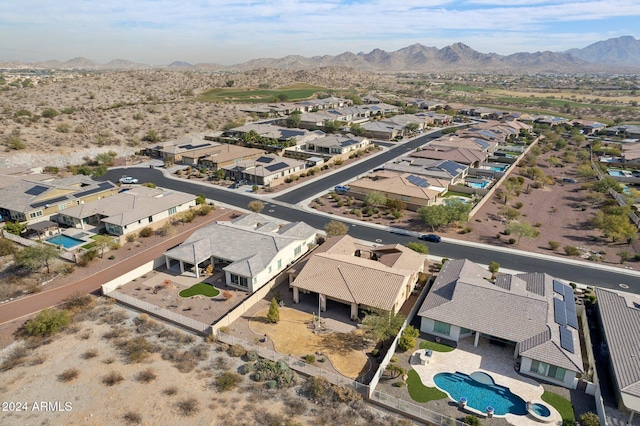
(498, 362)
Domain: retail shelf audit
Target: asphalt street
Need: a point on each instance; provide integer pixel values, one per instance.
(565, 269)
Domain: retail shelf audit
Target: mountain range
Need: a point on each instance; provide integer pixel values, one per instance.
(620, 54)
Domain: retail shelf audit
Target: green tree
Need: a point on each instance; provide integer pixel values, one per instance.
(408, 339)
(418, 247)
(606, 183)
(256, 206)
(47, 322)
(509, 213)
(523, 229)
(412, 127)
(375, 198)
(585, 171)
(356, 129)
(332, 126)
(434, 216)
(274, 311)
(335, 228)
(293, 120)
(494, 267)
(615, 223)
(201, 199)
(380, 325)
(37, 256)
(106, 158)
(152, 136)
(15, 227)
(102, 242)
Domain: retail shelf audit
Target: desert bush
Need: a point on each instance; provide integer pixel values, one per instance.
(47, 322)
(136, 349)
(112, 379)
(146, 232)
(7, 247)
(221, 363)
(518, 205)
(132, 418)
(554, 245)
(147, 375)
(512, 240)
(226, 295)
(309, 359)
(471, 420)
(185, 365)
(188, 406)
(251, 356)
(408, 339)
(205, 209)
(170, 391)
(271, 370)
(200, 352)
(323, 392)
(115, 333)
(165, 230)
(227, 381)
(89, 353)
(571, 251)
(237, 351)
(78, 303)
(15, 358)
(589, 419)
(131, 237)
(68, 375)
(295, 406)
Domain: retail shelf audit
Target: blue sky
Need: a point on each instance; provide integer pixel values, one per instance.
(232, 31)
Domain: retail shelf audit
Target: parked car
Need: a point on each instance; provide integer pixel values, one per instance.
(341, 189)
(432, 238)
(128, 179)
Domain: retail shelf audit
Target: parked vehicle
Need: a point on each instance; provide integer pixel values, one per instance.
(432, 238)
(341, 189)
(128, 180)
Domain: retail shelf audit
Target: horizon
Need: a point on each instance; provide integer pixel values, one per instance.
(229, 32)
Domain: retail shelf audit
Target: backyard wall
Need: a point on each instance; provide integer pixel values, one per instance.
(131, 275)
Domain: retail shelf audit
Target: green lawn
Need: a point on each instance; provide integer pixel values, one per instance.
(420, 392)
(292, 93)
(438, 347)
(560, 403)
(200, 288)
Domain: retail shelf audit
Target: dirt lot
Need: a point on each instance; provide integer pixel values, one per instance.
(173, 382)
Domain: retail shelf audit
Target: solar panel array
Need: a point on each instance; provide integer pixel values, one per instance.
(49, 201)
(559, 312)
(566, 339)
(418, 181)
(101, 187)
(264, 159)
(190, 146)
(565, 309)
(36, 190)
(278, 166)
(451, 167)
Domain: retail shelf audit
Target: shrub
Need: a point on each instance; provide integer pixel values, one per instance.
(188, 406)
(131, 237)
(147, 375)
(571, 251)
(47, 322)
(274, 311)
(471, 420)
(68, 375)
(132, 418)
(251, 356)
(227, 295)
(136, 349)
(112, 379)
(512, 240)
(227, 381)
(205, 209)
(146, 232)
(90, 353)
(408, 339)
(170, 391)
(518, 205)
(309, 359)
(589, 419)
(554, 245)
(265, 370)
(236, 351)
(7, 247)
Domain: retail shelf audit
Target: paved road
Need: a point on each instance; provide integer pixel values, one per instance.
(526, 262)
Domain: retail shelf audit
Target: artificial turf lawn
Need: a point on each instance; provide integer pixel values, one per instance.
(560, 403)
(200, 288)
(438, 347)
(420, 392)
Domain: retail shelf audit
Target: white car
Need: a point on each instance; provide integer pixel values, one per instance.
(128, 179)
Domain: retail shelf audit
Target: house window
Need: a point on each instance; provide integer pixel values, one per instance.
(548, 370)
(442, 328)
(62, 207)
(464, 330)
(269, 268)
(173, 210)
(279, 263)
(150, 219)
(297, 250)
(238, 280)
(35, 214)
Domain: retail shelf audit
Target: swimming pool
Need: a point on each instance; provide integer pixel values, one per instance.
(480, 185)
(65, 241)
(497, 167)
(617, 173)
(481, 394)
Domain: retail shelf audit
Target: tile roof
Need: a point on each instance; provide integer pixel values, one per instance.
(620, 319)
(399, 184)
(518, 309)
(335, 271)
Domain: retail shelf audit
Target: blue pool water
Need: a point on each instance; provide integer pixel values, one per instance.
(478, 184)
(500, 168)
(65, 241)
(481, 395)
(617, 173)
(540, 410)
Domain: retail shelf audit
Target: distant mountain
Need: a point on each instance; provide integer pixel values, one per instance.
(621, 51)
(613, 55)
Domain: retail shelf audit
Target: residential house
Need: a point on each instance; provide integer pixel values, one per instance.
(629, 131)
(357, 275)
(415, 191)
(445, 170)
(275, 133)
(251, 249)
(173, 151)
(321, 104)
(631, 152)
(469, 157)
(587, 127)
(619, 321)
(337, 144)
(36, 200)
(382, 130)
(534, 313)
(128, 211)
(264, 169)
(227, 154)
(455, 141)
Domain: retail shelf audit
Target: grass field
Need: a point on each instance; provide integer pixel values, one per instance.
(200, 288)
(560, 403)
(292, 93)
(420, 392)
(438, 347)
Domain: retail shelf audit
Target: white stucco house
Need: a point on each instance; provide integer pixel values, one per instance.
(533, 312)
(251, 249)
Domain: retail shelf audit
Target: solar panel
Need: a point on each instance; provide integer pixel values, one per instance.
(36, 190)
(558, 287)
(566, 339)
(277, 166)
(559, 312)
(50, 201)
(101, 187)
(572, 317)
(451, 167)
(568, 292)
(418, 181)
(264, 159)
(190, 146)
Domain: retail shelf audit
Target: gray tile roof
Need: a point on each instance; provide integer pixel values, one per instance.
(518, 308)
(620, 318)
(241, 242)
